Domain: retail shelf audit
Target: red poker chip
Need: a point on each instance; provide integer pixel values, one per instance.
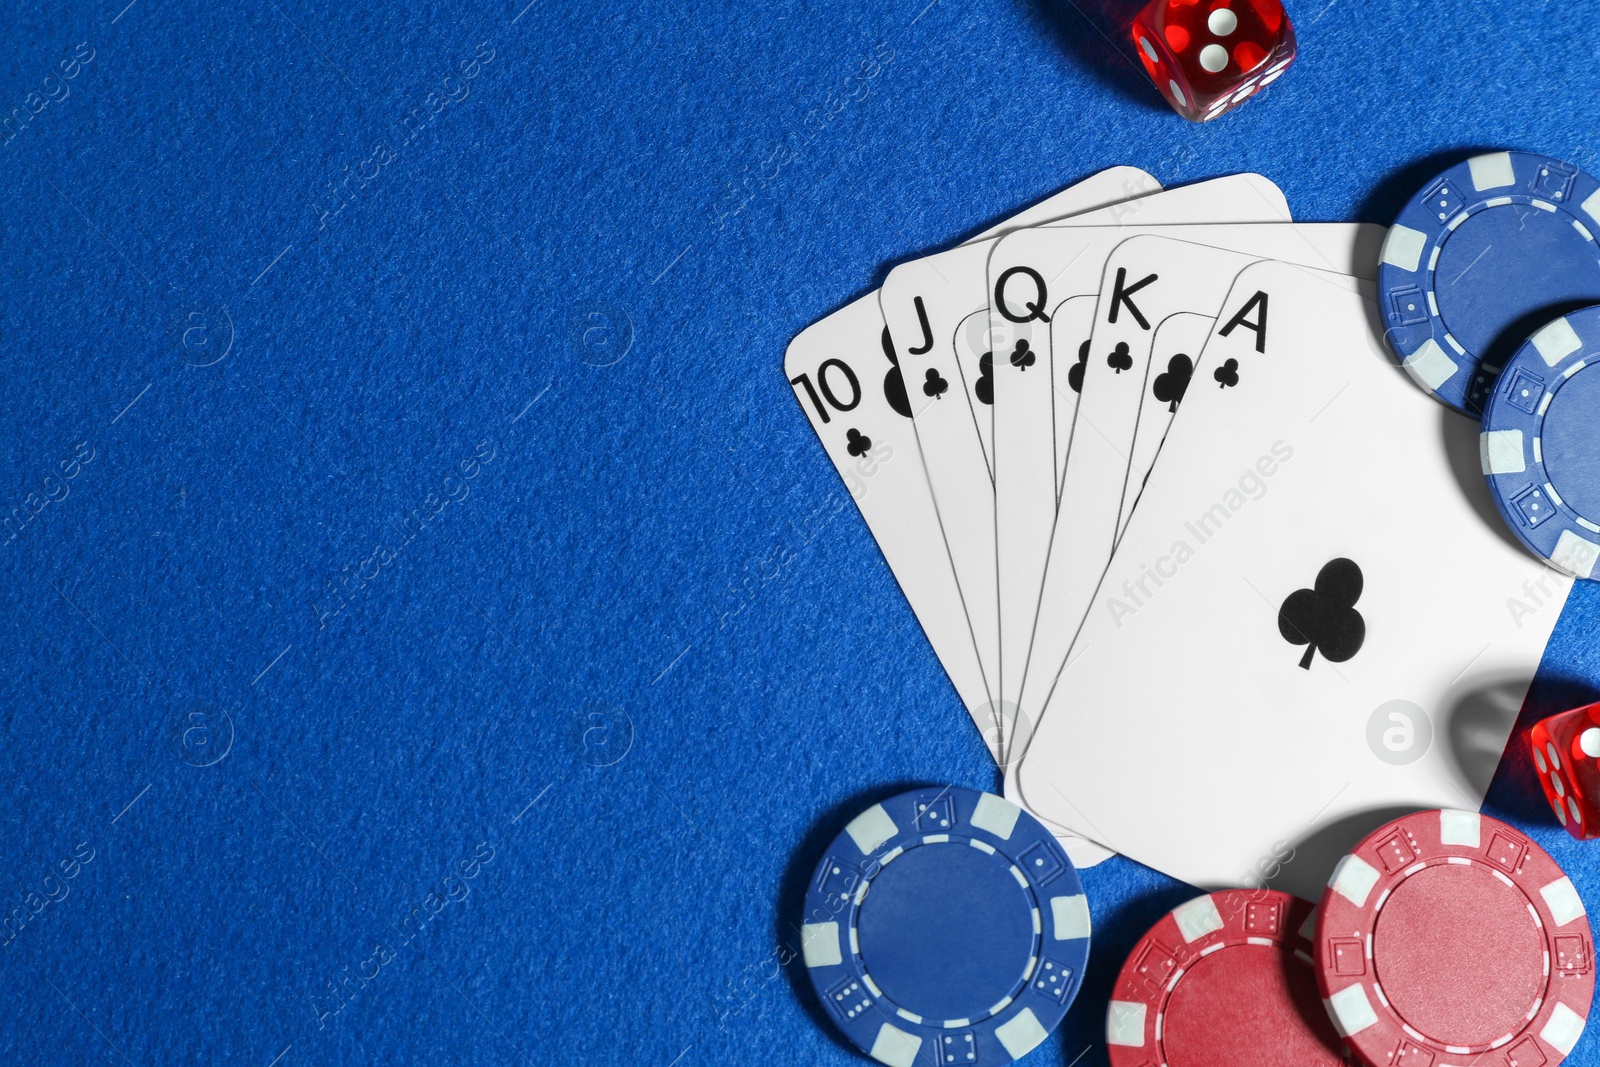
(1449, 937)
(1225, 980)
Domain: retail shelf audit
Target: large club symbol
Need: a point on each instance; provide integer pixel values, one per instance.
(1324, 618)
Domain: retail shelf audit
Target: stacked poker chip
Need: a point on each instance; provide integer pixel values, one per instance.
(947, 925)
(1444, 937)
(1489, 284)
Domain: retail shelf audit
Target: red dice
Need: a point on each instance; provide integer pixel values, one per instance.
(1209, 56)
(1566, 749)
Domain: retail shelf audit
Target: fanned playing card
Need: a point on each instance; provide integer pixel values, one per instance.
(1312, 615)
(1148, 277)
(1174, 347)
(848, 383)
(938, 317)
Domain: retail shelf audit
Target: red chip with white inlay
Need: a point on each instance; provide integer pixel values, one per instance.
(1447, 937)
(1225, 980)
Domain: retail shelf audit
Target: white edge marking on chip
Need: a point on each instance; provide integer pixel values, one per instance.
(1021, 1034)
(1197, 918)
(1069, 917)
(1457, 827)
(1125, 1023)
(1492, 171)
(995, 815)
(1430, 365)
(1353, 879)
(1574, 554)
(1500, 452)
(820, 944)
(1351, 1011)
(1565, 904)
(895, 1047)
(1556, 341)
(1403, 246)
(1592, 205)
(871, 828)
(1563, 1029)
(1308, 929)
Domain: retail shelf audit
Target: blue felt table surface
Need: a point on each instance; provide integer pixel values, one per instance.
(433, 633)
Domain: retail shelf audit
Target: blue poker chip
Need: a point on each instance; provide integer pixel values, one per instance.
(1488, 251)
(1540, 451)
(945, 926)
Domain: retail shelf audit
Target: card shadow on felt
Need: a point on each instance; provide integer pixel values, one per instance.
(1484, 713)
(1385, 199)
(1096, 33)
(796, 882)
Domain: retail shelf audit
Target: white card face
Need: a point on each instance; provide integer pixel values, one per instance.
(1146, 279)
(847, 383)
(1070, 328)
(935, 308)
(1174, 350)
(1311, 617)
(1044, 277)
(1183, 277)
(1174, 347)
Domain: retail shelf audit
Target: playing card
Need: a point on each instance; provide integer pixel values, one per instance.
(1177, 277)
(938, 320)
(1024, 437)
(1313, 619)
(1145, 279)
(848, 384)
(1175, 344)
(1070, 326)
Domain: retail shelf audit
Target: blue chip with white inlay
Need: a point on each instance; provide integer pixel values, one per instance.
(1489, 251)
(1540, 450)
(945, 926)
